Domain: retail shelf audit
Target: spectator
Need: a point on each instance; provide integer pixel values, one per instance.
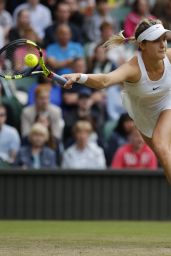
(114, 108)
(136, 154)
(42, 94)
(22, 23)
(61, 55)
(117, 55)
(70, 97)
(100, 62)
(52, 142)
(162, 10)
(62, 15)
(36, 155)
(85, 111)
(140, 10)
(44, 119)
(20, 52)
(83, 154)
(55, 92)
(92, 24)
(76, 17)
(9, 139)
(119, 136)
(5, 20)
(40, 15)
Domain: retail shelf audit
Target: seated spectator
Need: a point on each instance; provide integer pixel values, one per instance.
(119, 136)
(5, 20)
(100, 62)
(55, 91)
(22, 23)
(20, 52)
(61, 55)
(85, 111)
(92, 24)
(44, 119)
(140, 10)
(136, 154)
(52, 142)
(83, 154)
(42, 95)
(70, 97)
(62, 14)
(118, 55)
(76, 17)
(114, 108)
(36, 155)
(40, 15)
(9, 139)
(162, 10)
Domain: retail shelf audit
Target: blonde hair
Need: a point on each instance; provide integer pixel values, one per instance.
(38, 128)
(82, 125)
(119, 39)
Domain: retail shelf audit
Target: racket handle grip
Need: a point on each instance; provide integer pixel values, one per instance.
(59, 79)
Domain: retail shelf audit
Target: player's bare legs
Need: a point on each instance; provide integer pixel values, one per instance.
(161, 142)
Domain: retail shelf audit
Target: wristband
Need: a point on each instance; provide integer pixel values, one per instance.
(83, 78)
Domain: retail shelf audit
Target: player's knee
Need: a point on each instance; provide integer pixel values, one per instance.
(160, 146)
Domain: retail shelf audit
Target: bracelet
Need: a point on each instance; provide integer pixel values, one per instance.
(83, 78)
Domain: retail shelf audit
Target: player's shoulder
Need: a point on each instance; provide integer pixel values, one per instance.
(133, 69)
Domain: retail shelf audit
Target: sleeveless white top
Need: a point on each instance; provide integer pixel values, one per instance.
(146, 99)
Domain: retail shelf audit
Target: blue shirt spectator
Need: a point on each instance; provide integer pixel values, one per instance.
(61, 55)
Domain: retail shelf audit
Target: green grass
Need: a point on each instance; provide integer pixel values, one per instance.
(40, 238)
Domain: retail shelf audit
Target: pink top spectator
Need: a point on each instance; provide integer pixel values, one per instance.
(127, 157)
(131, 22)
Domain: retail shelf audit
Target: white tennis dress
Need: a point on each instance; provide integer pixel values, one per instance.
(146, 99)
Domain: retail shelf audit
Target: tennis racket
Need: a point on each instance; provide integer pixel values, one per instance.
(12, 60)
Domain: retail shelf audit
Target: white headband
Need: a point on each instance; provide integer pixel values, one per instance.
(152, 33)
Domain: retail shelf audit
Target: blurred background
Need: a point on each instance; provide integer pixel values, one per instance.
(79, 146)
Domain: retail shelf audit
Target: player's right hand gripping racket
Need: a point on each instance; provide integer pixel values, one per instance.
(13, 54)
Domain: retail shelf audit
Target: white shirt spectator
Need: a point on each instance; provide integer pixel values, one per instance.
(5, 22)
(9, 142)
(91, 157)
(40, 17)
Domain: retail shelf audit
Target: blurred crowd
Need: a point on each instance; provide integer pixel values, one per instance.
(79, 128)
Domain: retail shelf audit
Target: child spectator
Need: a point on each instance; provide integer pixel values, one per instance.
(136, 154)
(9, 139)
(42, 104)
(83, 154)
(36, 155)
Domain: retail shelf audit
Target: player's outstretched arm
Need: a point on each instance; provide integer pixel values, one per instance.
(101, 81)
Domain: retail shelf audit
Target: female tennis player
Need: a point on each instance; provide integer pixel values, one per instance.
(146, 80)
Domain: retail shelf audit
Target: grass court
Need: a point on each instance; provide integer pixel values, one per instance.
(85, 238)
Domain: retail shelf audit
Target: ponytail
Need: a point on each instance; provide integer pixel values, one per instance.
(119, 39)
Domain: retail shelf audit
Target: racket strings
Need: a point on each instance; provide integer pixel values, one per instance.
(13, 62)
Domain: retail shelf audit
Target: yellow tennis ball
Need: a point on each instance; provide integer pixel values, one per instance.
(31, 60)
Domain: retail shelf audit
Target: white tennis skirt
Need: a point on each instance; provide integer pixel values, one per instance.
(145, 111)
